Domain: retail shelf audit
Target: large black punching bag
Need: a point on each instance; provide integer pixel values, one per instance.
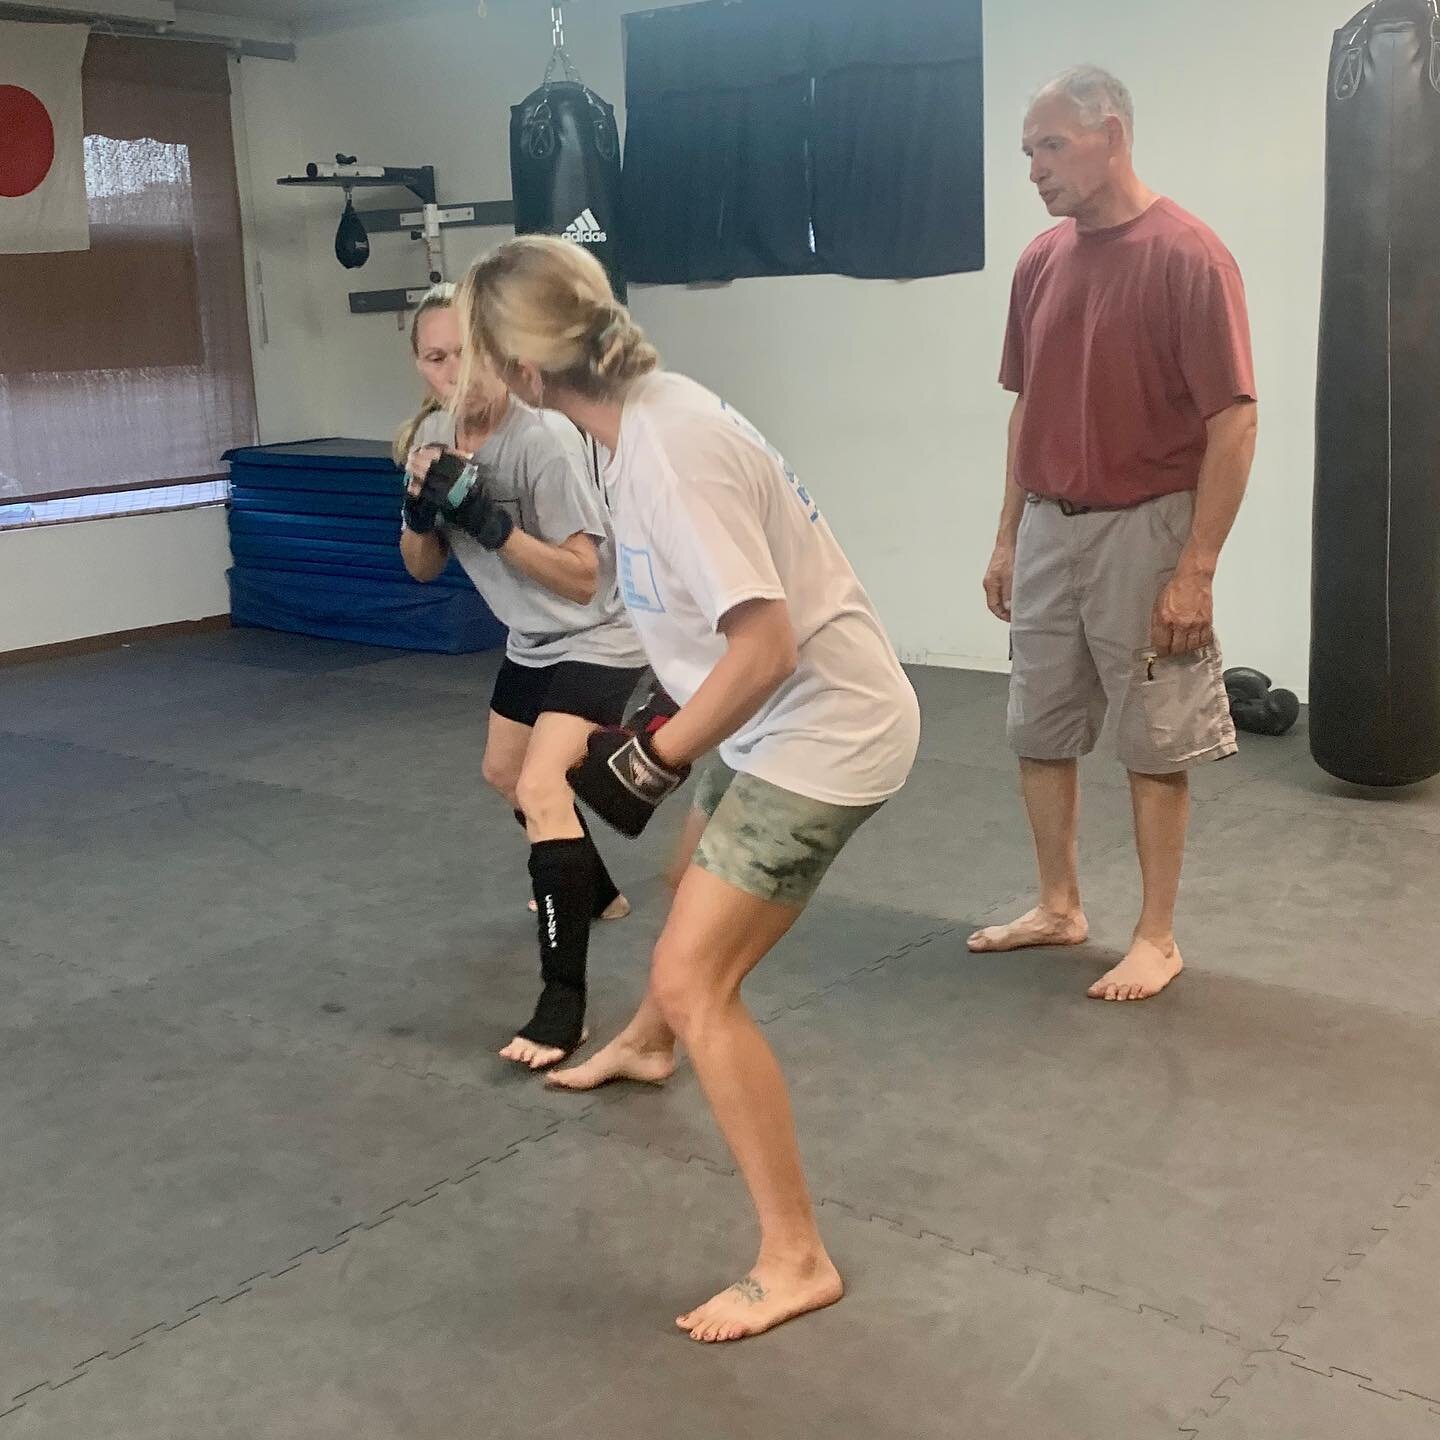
(1375, 599)
(565, 168)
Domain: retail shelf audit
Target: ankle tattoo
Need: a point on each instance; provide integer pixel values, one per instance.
(750, 1290)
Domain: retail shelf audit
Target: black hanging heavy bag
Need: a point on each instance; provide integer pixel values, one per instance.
(1375, 601)
(565, 170)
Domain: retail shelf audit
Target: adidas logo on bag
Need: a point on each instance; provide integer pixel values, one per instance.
(585, 229)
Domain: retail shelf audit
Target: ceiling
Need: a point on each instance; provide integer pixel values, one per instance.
(272, 22)
(306, 16)
(298, 13)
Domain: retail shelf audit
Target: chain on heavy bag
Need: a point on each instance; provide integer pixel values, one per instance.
(1375, 603)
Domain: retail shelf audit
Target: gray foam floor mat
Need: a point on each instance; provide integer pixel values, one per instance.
(150, 1167)
(43, 780)
(1278, 1399)
(1376, 1312)
(439, 989)
(151, 889)
(1327, 903)
(536, 1298)
(1203, 1158)
(263, 928)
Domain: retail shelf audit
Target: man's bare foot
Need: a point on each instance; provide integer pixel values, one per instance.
(617, 909)
(537, 1057)
(768, 1296)
(619, 1060)
(1143, 973)
(1030, 931)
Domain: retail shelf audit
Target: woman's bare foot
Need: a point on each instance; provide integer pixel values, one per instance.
(619, 1060)
(1142, 974)
(1037, 928)
(537, 1057)
(617, 909)
(768, 1296)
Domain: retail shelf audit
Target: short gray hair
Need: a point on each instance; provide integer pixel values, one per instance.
(1096, 94)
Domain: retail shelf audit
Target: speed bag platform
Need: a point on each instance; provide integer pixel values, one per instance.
(1375, 593)
(565, 170)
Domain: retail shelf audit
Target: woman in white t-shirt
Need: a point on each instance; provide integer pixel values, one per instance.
(533, 537)
(754, 621)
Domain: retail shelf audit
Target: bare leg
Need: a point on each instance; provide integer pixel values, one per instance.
(685, 847)
(1052, 802)
(645, 1049)
(1162, 815)
(715, 936)
(505, 745)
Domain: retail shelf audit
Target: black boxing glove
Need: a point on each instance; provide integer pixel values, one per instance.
(456, 488)
(622, 779)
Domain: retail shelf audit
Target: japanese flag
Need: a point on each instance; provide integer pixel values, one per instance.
(42, 139)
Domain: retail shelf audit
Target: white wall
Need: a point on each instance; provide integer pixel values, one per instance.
(96, 577)
(883, 395)
(287, 338)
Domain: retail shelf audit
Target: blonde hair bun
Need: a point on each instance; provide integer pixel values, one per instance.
(544, 301)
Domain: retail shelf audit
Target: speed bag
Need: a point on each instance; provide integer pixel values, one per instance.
(565, 170)
(1375, 590)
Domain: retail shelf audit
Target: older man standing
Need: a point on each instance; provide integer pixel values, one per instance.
(1131, 442)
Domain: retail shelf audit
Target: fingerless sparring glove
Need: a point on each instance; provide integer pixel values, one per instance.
(456, 488)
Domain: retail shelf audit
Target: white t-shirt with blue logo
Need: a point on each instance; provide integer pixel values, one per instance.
(708, 515)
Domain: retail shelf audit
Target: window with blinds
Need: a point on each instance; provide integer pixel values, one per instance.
(128, 365)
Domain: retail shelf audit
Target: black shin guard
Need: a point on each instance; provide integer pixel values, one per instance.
(564, 878)
(607, 892)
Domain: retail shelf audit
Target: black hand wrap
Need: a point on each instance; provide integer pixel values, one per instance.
(420, 514)
(457, 489)
(622, 779)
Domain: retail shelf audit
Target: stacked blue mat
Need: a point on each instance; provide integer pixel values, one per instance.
(314, 531)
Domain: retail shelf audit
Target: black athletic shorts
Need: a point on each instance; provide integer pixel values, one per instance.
(597, 693)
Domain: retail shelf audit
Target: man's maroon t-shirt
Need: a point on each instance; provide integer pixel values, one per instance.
(1124, 342)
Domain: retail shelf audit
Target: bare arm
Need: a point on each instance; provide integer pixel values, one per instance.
(1184, 617)
(1014, 506)
(760, 656)
(1224, 476)
(571, 569)
(425, 556)
(1000, 576)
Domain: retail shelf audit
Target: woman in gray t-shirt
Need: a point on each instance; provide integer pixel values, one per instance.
(543, 559)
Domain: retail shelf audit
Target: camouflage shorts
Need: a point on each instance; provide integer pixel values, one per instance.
(769, 842)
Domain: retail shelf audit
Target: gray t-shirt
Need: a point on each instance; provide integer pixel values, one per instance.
(543, 481)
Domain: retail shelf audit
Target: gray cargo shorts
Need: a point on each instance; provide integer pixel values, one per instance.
(1084, 595)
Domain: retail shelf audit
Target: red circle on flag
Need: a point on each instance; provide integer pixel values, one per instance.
(27, 141)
